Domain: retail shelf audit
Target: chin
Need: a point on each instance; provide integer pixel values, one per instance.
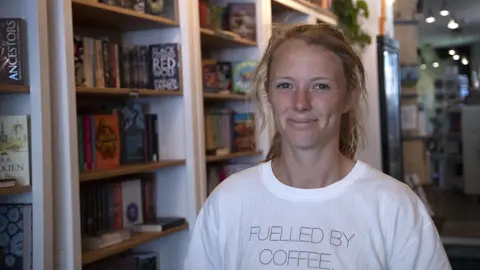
(303, 141)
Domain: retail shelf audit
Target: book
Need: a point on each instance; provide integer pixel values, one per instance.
(16, 236)
(15, 160)
(159, 224)
(12, 52)
(165, 67)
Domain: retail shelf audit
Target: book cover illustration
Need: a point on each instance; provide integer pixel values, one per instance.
(132, 203)
(132, 134)
(210, 75)
(244, 132)
(224, 70)
(242, 20)
(15, 236)
(155, 7)
(107, 141)
(78, 57)
(11, 51)
(243, 75)
(15, 148)
(165, 67)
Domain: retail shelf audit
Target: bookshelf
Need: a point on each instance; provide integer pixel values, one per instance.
(54, 100)
(225, 157)
(136, 240)
(93, 14)
(112, 92)
(291, 10)
(15, 190)
(31, 97)
(13, 89)
(128, 170)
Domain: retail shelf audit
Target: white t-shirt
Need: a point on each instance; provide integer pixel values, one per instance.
(366, 221)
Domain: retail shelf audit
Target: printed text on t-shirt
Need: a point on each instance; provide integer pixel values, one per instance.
(299, 258)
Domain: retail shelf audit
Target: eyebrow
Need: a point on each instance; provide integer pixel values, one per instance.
(312, 79)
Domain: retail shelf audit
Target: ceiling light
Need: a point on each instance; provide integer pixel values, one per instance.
(452, 24)
(444, 11)
(430, 18)
(423, 66)
(464, 61)
(456, 57)
(451, 52)
(435, 64)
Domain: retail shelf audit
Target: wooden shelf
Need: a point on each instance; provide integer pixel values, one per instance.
(12, 89)
(96, 15)
(136, 240)
(15, 190)
(218, 39)
(305, 7)
(129, 169)
(233, 155)
(226, 96)
(92, 91)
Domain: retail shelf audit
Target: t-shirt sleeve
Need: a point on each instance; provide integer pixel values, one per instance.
(204, 251)
(424, 252)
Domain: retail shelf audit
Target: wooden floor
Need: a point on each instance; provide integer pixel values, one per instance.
(456, 214)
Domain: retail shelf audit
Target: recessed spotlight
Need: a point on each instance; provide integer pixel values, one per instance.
(451, 52)
(464, 61)
(456, 57)
(423, 66)
(435, 64)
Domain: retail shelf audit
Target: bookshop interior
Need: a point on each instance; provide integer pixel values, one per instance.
(118, 118)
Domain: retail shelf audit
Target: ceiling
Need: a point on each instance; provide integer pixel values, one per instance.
(467, 14)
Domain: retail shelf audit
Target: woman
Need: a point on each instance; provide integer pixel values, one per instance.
(311, 205)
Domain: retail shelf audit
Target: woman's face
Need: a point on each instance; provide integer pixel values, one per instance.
(307, 91)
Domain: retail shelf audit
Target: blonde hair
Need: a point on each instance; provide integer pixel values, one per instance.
(329, 37)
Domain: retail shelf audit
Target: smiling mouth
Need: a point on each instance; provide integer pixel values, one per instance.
(302, 123)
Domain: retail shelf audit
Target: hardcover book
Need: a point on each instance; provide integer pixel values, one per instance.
(132, 134)
(16, 236)
(107, 141)
(15, 148)
(243, 75)
(12, 68)
(165, 67)
(242, 20)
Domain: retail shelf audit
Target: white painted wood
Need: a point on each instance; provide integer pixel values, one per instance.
(37, 104)
(292, 4)
(64, 134)
(180, 189)
(195, 194)
(371, 153)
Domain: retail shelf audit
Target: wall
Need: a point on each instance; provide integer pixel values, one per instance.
(371, 153)
(475, 57)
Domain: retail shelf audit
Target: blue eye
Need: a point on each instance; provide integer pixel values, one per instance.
(284, 85)
(321, 86)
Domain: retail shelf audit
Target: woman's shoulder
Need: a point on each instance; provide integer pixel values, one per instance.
(384, 189)
(390, 194)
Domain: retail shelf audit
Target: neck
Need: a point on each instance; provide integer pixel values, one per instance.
(312, 168)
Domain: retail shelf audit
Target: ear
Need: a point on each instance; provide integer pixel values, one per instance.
(351, 99)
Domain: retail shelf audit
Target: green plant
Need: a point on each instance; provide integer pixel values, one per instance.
(349, 13)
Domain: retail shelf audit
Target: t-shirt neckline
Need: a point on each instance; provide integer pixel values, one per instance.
(280, 189)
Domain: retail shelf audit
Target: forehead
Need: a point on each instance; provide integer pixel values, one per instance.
(296, 56)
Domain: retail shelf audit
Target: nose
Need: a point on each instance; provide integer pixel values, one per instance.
(302, 100)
